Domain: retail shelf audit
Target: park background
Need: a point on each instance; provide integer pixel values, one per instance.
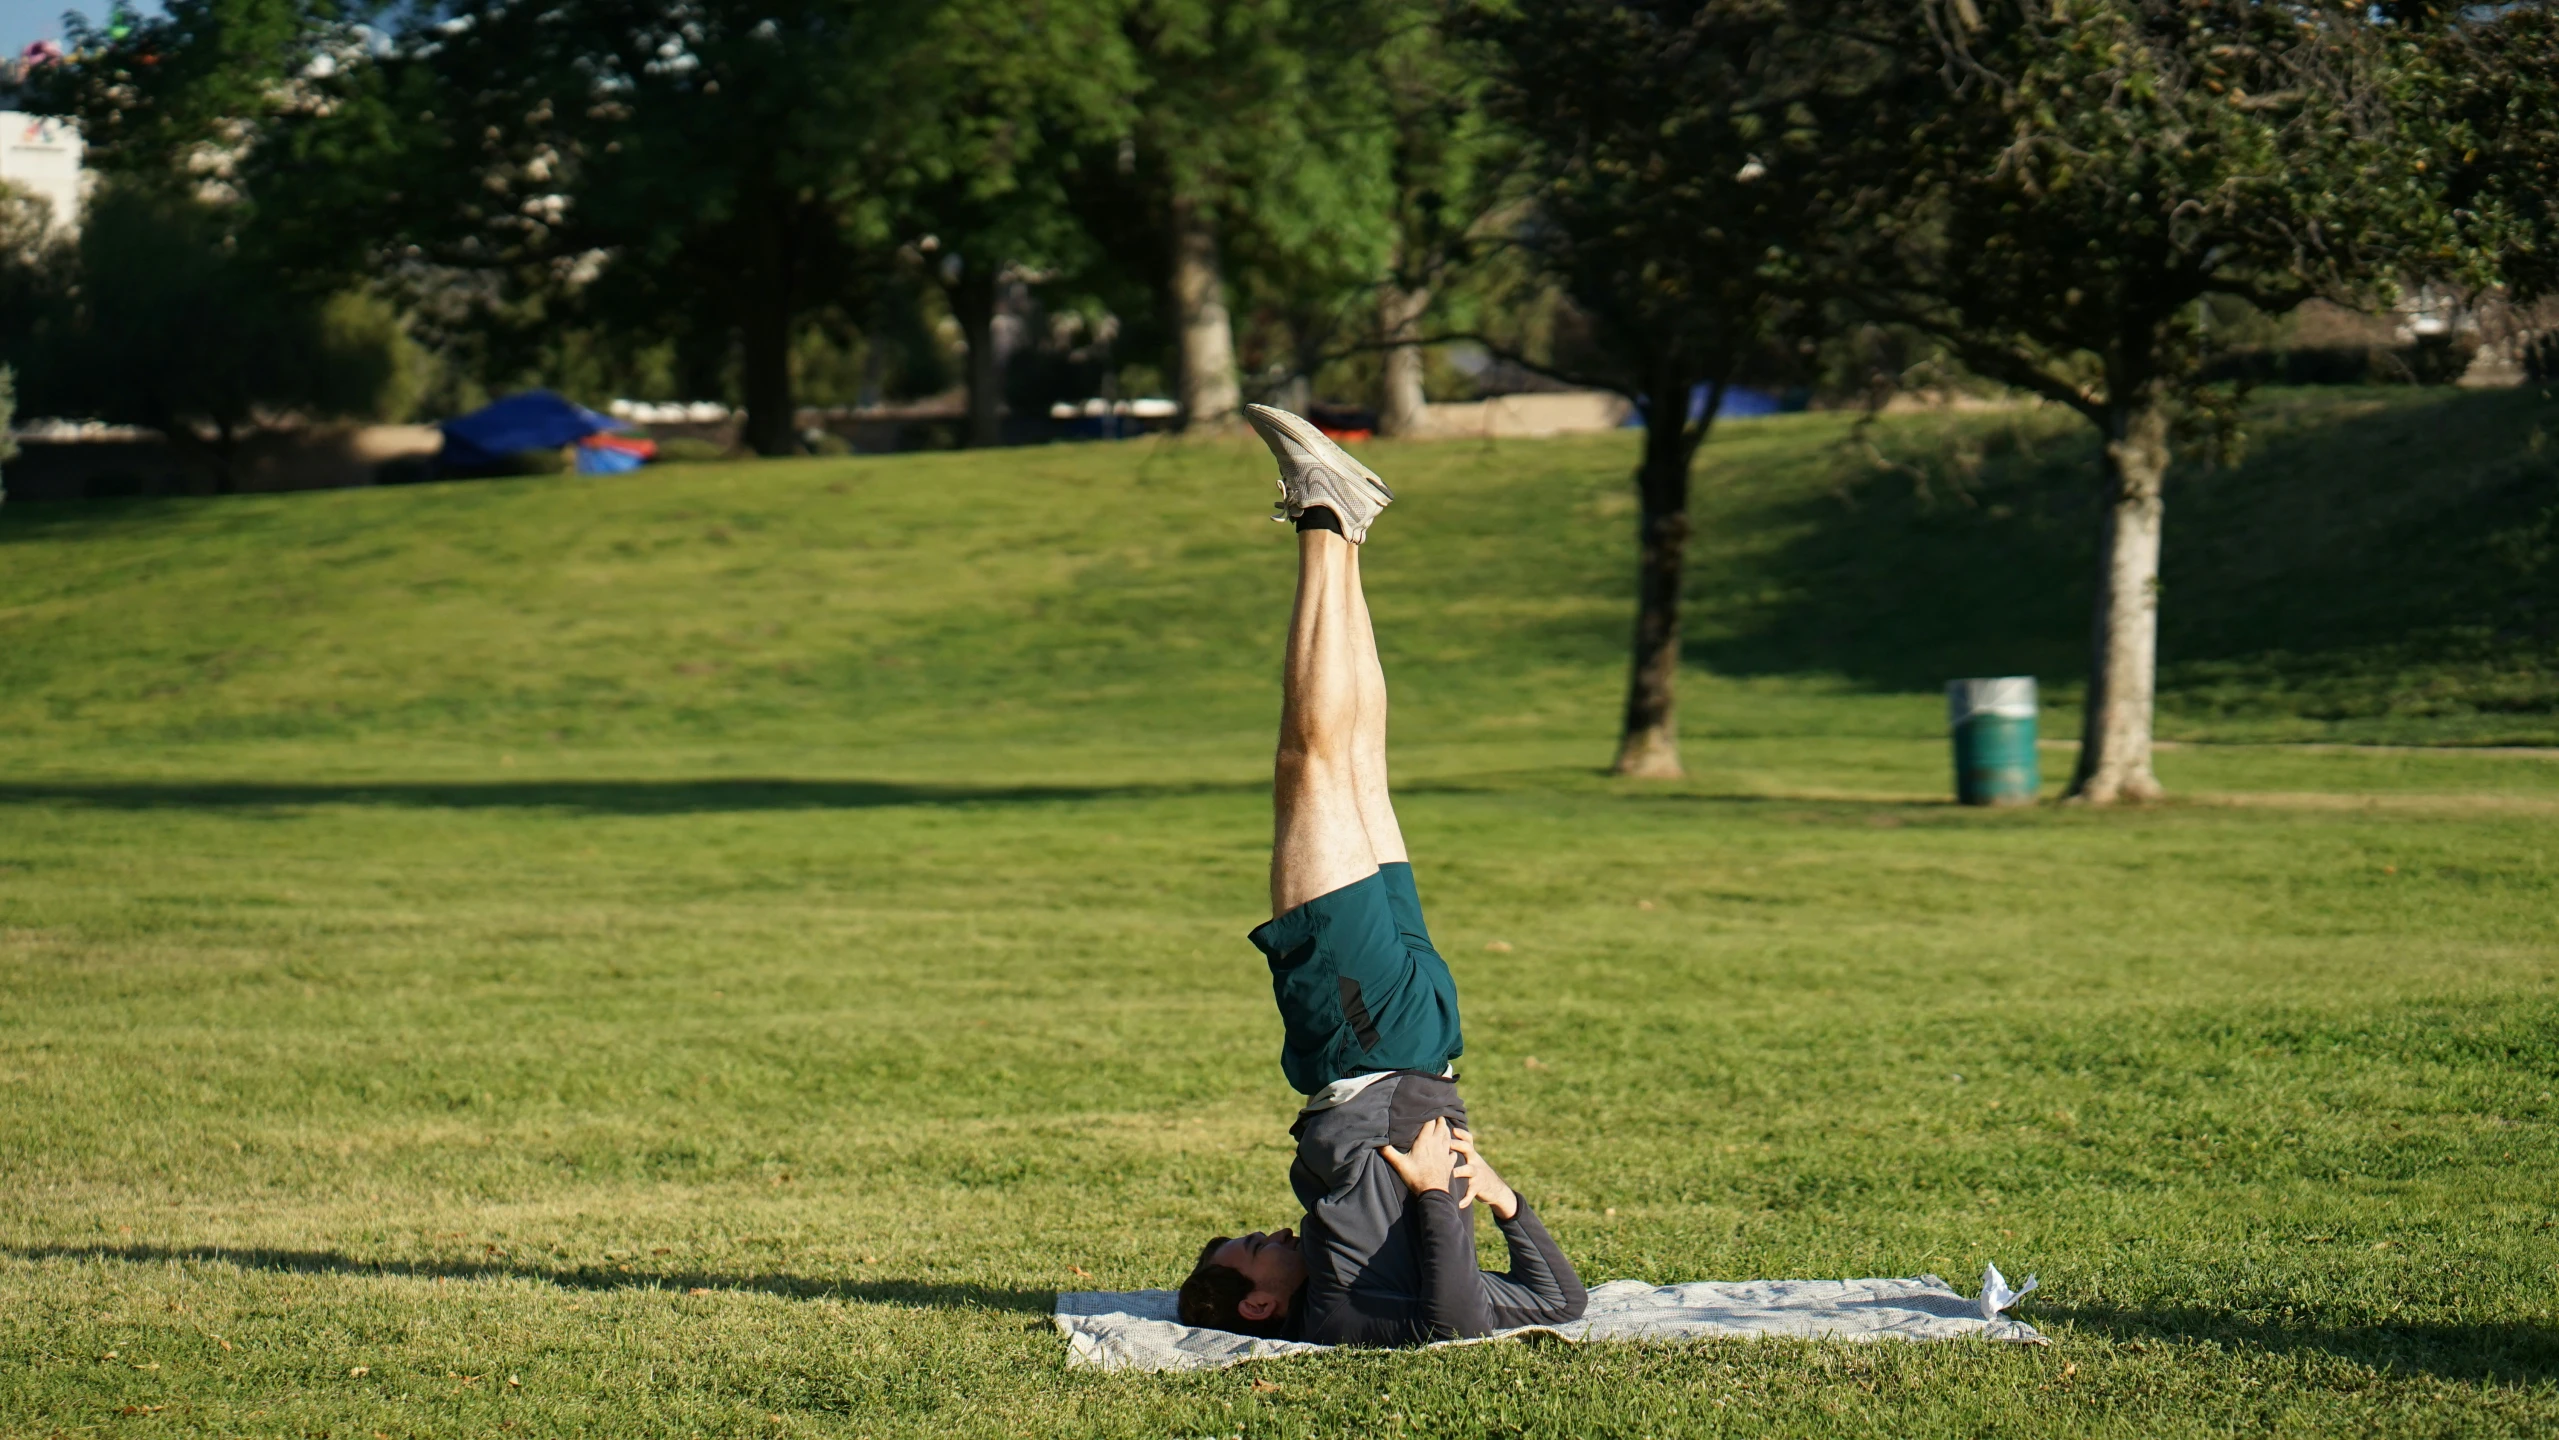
(714, 949)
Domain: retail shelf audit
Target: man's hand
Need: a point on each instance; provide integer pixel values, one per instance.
(1483, 1182)
(1432, 1162)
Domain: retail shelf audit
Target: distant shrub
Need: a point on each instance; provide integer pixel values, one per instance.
(537, 462)
(2541, 358)
(2430, 361)
(690, 450)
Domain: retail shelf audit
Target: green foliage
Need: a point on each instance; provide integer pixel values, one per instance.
(705, 179)
(785, 894)
(1264, 120)
(1684, 172)
(2093, 169)
(183, 94)
(2490, 107)
(119, 323)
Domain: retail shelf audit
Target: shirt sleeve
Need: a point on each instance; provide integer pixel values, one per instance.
(1542, 1287)
(1460, 1302)
(1454, 1305)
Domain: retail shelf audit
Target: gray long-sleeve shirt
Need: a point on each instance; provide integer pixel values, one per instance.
(1387, 1267)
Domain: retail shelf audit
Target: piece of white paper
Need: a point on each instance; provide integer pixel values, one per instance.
(1995, 1294)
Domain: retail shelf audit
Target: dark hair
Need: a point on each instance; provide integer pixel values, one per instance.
(1210, 1295)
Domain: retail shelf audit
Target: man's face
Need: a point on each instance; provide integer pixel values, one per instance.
(1272, 1262)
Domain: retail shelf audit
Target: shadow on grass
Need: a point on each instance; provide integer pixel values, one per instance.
(928, 1295)
(591, 797)
(2520, 1352)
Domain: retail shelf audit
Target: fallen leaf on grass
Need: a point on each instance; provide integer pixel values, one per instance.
(1533, 1063)
(142, 1409)
(2070, 1369)
(360, 1370)
(699, 1290)
(1080, 1270)
(516, 1381)
(1499, 947)
(1265, 1387)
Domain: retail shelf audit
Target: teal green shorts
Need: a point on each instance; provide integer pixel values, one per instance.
(1359, 984)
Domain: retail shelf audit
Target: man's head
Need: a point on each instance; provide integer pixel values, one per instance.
(1244, 1284)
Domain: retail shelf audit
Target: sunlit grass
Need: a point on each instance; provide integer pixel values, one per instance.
(652, 957)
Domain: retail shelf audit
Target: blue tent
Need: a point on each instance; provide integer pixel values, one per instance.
(534, 420)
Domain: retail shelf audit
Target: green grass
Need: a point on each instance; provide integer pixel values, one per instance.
(712, 953)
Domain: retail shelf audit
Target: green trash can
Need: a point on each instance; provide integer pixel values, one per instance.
(1993, 722)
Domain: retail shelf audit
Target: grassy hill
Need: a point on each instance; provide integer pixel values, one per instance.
(2381, 568)
(713, 952)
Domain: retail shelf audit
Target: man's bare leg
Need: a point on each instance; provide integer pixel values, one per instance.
(1368, 750)
(1320, 841)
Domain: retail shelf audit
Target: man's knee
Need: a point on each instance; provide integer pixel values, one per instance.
(1305, 763)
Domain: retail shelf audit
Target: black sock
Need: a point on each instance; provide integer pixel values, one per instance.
(1318, 517)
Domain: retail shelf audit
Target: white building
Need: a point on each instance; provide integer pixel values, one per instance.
(42, 155)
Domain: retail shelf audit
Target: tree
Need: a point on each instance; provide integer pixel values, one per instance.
(1248, 123)
(1030, 85)
(158, 318)
(178, 97)
(2082, 175)
(1447, 168)
(174, 309)
(1682, 160)
(713, 171)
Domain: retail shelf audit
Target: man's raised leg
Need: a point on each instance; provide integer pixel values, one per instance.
(1368, 750)
(1320, 839)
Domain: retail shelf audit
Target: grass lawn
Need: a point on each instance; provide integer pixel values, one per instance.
(712, 953)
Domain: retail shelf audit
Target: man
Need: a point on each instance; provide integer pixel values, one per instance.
(1387, 1172)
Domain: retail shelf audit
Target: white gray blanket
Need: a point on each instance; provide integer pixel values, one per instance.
(1138, 1331)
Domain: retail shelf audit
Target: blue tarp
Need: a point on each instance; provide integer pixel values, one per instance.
(597, 460)
(534, 420)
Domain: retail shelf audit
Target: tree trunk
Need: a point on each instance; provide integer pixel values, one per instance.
(973, 301)
(1403, 407)
(2114, 737)
(1649, 746)
(764, 335)
(1210, 394)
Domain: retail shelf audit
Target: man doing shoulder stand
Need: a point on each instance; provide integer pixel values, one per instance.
(1386, 1169)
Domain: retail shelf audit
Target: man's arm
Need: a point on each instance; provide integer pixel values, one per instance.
(1542, 1287)
(1453, 1301)
(1459, 1301)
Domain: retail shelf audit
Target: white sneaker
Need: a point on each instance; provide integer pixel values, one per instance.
(1316, 474)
